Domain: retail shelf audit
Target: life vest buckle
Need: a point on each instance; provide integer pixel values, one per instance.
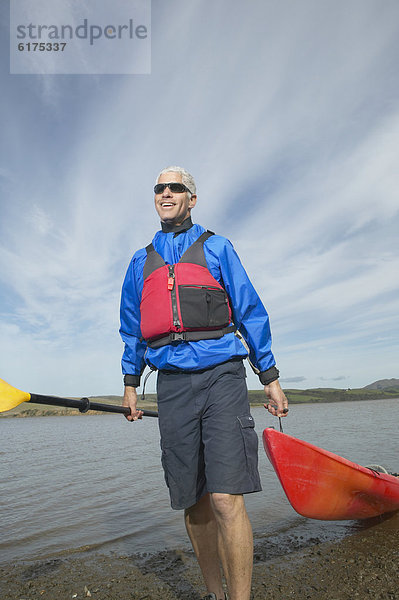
(176, 336)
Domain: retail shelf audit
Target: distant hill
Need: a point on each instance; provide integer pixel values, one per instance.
(382, 384)
(384, 388)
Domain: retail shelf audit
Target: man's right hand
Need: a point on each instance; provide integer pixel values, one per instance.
(130, 400)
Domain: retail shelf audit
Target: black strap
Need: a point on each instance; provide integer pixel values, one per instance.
(195, 253)
(153, 261)
(190, 336)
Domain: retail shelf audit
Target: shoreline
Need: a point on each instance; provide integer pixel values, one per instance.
(364, 564)
(34, 410)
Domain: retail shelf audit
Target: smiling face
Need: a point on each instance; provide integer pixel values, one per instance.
(173, 208)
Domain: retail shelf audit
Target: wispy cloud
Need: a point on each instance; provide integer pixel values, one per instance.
(298, 379)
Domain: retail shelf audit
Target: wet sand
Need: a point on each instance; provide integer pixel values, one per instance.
(362, 565)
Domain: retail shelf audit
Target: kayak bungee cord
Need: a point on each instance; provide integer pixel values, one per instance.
(279, 419)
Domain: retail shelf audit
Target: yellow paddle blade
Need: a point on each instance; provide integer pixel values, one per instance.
(10, 397)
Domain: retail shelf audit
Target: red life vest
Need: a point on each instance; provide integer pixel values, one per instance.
(182, 302)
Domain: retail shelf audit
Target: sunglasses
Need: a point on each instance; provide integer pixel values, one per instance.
(175, 188)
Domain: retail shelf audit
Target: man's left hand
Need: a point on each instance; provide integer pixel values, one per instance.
(278, 403)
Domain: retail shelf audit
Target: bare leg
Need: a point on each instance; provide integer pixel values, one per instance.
(219, 530)
(235, 543)
(203, 532)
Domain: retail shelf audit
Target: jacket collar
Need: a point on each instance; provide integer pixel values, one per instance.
(176, 229)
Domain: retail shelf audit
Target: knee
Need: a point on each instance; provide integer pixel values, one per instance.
(227, 506)
(199, 513)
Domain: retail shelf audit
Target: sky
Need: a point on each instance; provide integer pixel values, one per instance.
(287, 115)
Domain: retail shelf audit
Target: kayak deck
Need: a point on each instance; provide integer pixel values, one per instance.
(323, 485)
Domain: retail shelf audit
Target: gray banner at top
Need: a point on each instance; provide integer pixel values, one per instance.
(74, 37)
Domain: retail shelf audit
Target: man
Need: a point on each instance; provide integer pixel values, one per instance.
(183, 299)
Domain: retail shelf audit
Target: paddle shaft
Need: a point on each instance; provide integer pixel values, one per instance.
(84, 404)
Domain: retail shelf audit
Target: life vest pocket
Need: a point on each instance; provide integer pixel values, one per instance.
(203, 307)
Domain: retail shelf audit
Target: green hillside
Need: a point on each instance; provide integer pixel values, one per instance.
(318, 395)
(256, 397)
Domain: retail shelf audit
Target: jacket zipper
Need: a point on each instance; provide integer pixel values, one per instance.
(172, 289)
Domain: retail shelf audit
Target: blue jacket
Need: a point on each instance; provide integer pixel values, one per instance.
(249, 315)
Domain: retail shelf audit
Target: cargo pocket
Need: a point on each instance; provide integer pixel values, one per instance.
(170, 469)
(203, 306)
(165, 470)
(176, 482)
(250, 439)
(218, 307)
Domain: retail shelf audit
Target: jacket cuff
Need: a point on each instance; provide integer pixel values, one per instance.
(268, 376)
(131, 380)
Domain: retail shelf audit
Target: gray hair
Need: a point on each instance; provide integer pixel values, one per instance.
(186, 178)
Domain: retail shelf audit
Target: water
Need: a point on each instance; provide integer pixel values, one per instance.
(95, 482)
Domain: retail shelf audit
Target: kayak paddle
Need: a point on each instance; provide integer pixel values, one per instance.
(10, 397)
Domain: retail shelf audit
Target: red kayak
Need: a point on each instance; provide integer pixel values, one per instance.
(322, 485)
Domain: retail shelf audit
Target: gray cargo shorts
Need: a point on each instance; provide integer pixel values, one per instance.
(208, 439)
